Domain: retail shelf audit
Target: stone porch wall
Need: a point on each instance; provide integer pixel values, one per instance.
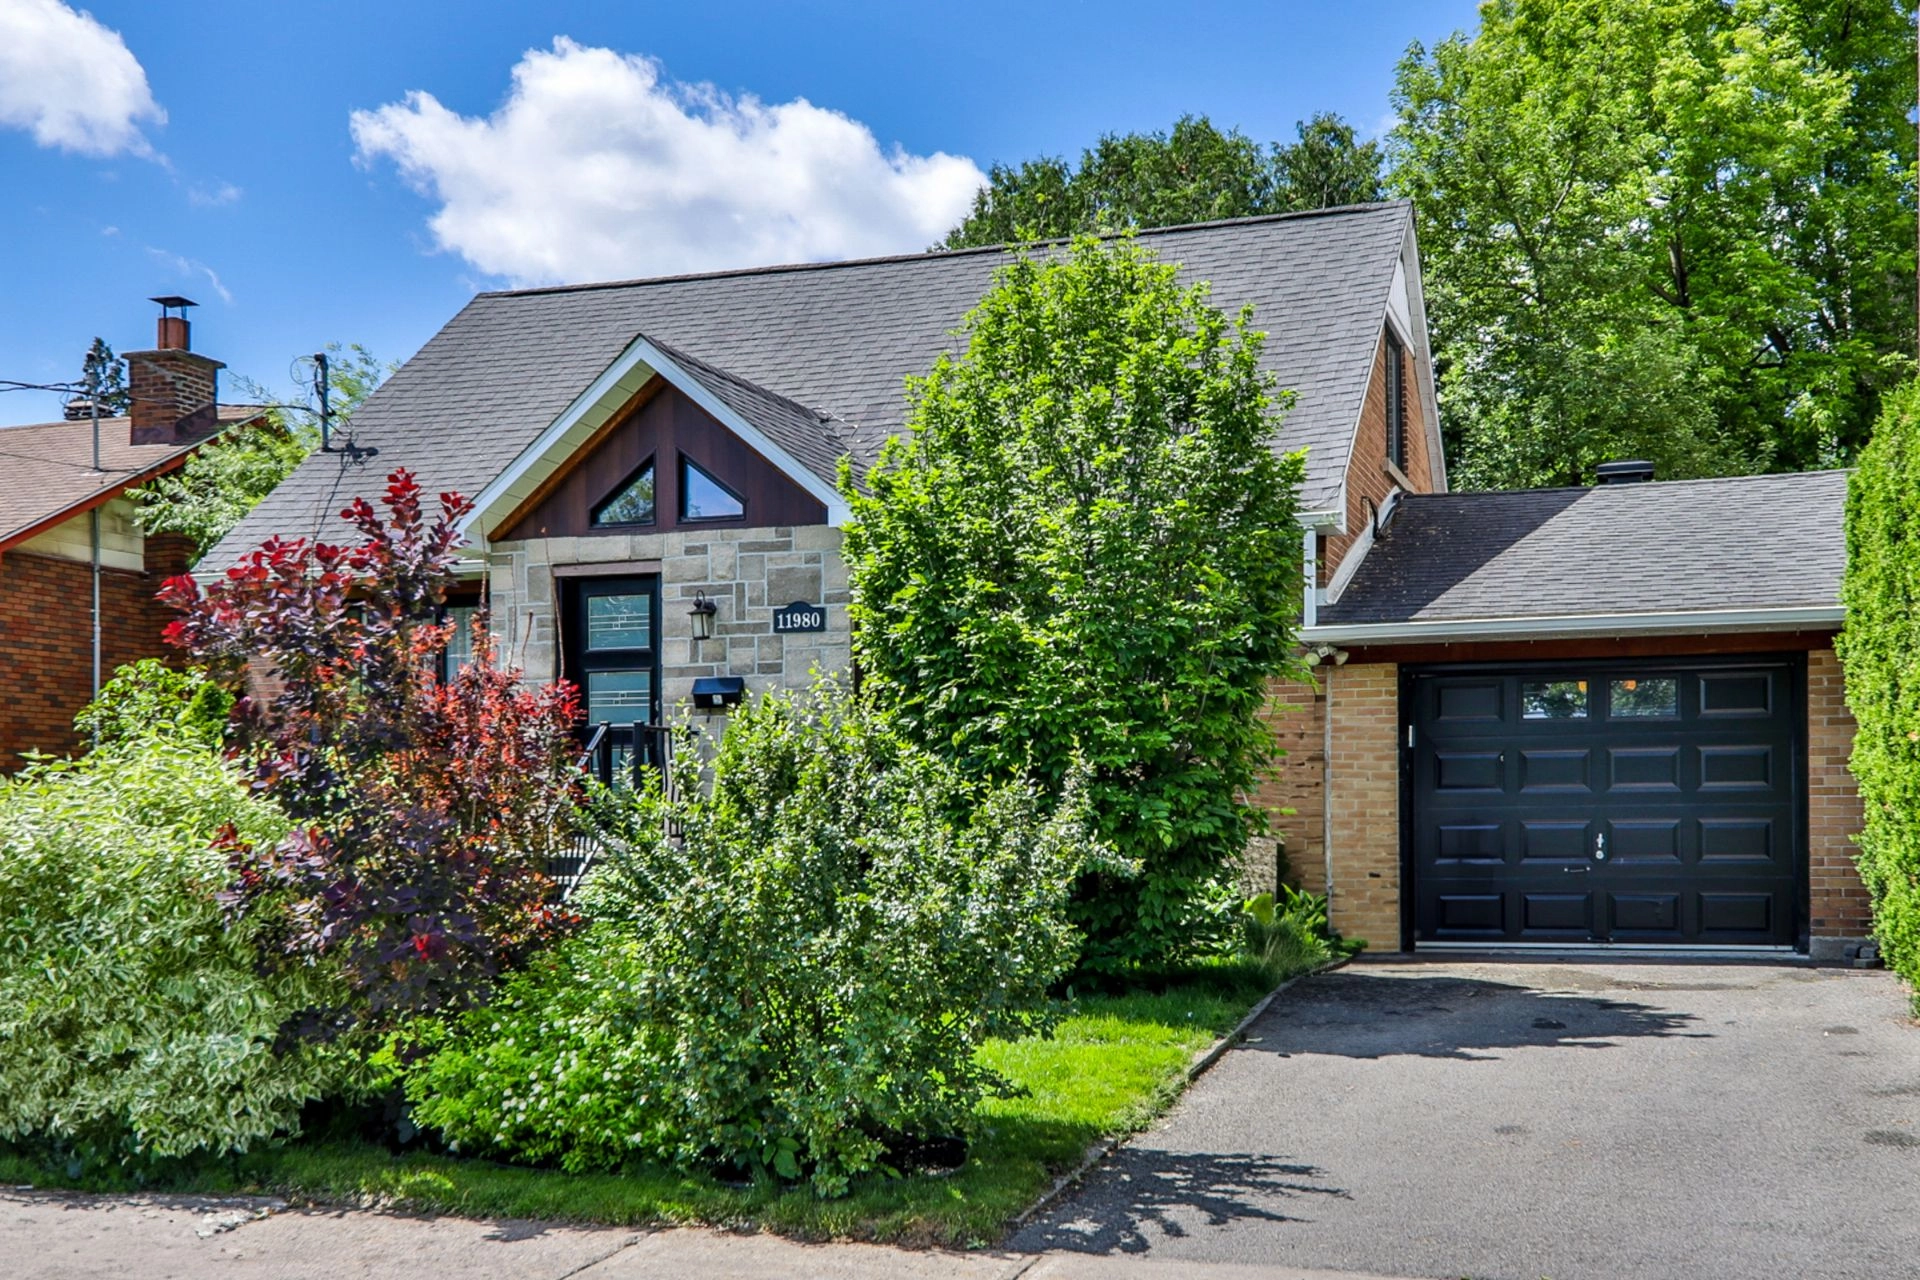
(748, 573)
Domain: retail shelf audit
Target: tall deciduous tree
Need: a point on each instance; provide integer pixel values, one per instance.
(1194, 173)
(1677, 229)
(1085, 549)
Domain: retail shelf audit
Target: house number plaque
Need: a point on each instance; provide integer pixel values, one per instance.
(800, 616)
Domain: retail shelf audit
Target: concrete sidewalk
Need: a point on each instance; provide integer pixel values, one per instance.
(59, 1236)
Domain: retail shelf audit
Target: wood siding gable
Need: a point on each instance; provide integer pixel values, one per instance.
(663, 424)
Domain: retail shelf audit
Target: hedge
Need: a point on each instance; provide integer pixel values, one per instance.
(1880, 652)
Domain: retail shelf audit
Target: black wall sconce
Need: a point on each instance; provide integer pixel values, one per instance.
(702, 615)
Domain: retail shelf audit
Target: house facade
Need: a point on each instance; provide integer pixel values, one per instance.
(656, 459)
(640, 447)
(77, 574)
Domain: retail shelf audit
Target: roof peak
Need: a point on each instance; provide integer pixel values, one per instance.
(1299, 215)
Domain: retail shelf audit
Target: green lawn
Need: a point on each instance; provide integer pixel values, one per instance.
(1112, 1066)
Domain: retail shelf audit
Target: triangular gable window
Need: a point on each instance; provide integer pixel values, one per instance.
(704, 498)
(632, 503)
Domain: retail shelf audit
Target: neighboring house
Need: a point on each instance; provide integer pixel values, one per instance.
(65, 521)
(638, 448)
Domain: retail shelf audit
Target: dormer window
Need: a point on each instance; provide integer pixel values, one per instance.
(1396, 388)
(704, 498)
(631, 503)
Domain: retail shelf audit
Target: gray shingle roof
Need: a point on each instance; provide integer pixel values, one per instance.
(816, 438)
(841, 338)
(1748, 542)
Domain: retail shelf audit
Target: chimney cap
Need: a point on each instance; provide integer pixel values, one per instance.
(1624, 471)
(174, 300)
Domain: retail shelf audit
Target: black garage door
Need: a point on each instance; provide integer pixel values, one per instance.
(1607, 802)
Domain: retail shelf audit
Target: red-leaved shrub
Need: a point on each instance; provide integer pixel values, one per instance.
(425, 809)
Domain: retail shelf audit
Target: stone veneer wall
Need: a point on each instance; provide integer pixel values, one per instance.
(748, 573)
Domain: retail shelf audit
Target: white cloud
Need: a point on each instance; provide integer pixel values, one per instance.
(191, 269)
(596, 167)
(71, 82)
(204, 196)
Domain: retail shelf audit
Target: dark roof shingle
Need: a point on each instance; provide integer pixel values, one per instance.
(1747, 542)
(840, 339)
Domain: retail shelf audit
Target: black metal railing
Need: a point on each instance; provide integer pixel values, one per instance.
(651, 748)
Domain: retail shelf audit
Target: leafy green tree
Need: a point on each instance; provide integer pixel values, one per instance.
(1882, 596)
(1677, 229)
(1084, 549)
(223, 481)
(1327, 167)
(1194, 173)
(106, 378)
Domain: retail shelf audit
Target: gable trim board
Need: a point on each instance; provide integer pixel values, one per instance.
(604, 398)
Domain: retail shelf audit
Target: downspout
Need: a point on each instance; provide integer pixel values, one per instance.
(93, 526)
(1310, 575)
(93, 519)
(1326, 787)
(1310, 615)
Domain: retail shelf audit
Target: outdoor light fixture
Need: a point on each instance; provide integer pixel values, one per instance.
(702, 614)
(1323, 652)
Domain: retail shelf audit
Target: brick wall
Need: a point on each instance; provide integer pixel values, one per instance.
(172, 395)
(46, 644)
(1367, 474)
(1363, 701)
(1296, 717)
(1837, 905)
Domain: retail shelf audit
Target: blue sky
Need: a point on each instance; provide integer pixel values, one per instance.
(278, 163)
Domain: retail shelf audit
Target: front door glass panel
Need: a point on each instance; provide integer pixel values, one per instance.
(620, 621)
(611, 633)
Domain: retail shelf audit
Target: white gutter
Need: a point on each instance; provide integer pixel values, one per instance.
(1552, 627)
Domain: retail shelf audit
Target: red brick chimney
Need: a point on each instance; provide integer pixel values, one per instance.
(173, 391)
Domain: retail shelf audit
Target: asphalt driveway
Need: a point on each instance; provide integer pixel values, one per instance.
(1518, 1121)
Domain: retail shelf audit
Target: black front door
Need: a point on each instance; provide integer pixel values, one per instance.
(1638, 802)
(611, 634)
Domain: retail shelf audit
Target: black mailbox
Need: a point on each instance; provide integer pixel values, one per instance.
(711, 693)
